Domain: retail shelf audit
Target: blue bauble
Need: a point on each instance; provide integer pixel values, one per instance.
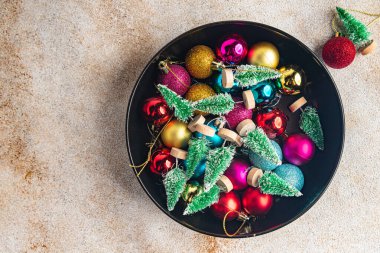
(215, 140)
(291, 174)
(263, 163)
(218, 86)
(264, 92)
(199, 170)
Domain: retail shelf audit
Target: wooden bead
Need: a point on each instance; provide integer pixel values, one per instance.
(225, 184)
(227, 78)
(253, 176)
(178, 153)
(249, 99)
(198, 120)
(297, 104)
(230, 135)
(370, 48)
(205, 130)
(244, 127)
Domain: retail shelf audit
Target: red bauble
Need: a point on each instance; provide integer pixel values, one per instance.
(156, 111)
(272, 120)
(256, 203)
(161, 161)
(338, 52)
(228, 201)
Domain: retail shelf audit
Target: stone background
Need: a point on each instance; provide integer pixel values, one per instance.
(66, 71)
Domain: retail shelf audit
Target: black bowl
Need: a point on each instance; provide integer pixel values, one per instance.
(322, 92)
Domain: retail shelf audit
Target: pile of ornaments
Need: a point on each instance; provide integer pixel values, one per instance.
(219, 129)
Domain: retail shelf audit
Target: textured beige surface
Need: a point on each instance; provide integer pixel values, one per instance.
(66, 72)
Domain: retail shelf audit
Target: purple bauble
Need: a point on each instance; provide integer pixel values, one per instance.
(177, 79)
(231, 49)
(238, 114)
(237, 173)
(298, 149)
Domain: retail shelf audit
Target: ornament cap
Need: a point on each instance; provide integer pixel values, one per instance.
(297, 104)
(205, 130)
(369, 48)
(225, 184)
(254, 176)
(178, 153)
(227, 78)
(198, 120)
(244, 127)
(249, 99)
(231, 136)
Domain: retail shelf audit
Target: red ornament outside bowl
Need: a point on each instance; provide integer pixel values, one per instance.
(322, 93)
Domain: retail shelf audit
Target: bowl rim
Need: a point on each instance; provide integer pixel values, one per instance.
(250, 23)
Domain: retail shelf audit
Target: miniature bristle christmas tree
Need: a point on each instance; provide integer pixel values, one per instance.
(249, 75)
(271, 183)
(174, 182)
(218, 104)
(218, 160)
(311, 125)
(198, 149)
(203, 200)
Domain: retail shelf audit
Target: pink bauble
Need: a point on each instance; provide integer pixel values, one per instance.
(231, 49)
(177, 79)
(238, 114)
(298, 149)
(237, 173)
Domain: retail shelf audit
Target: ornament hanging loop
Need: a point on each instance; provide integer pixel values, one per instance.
(242, 217)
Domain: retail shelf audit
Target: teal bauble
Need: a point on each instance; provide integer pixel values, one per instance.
(199, 170)
(291, 174)
(263, 163)
(218, 86)
(215, 140)
(264, 92)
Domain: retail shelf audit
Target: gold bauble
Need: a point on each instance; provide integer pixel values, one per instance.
(199, 61)
(176, 134)
(292, 79)
(199, 91)
(192, 189)
(264, 54)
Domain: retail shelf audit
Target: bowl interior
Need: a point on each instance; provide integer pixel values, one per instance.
(321, 92)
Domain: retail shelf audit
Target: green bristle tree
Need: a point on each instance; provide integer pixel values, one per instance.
(197, 151)
(203, 200)
(311, 125)
(250, 75)
(183, 109)
(271, 183)
(174, 182)
(218, 160)
(258, 142)
(218, 104)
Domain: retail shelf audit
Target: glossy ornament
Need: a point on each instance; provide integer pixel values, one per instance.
(228, 201)
(264, 92)
(176, 134)
(215, 140)
(338, 52)
(291, 174)
(256, 203)
(199, 170)
(199, 91)
(199, 61)
(272, 120)
(237, 173)
(231, 49)
(238, 114)
(292, 80)
(156, 111)
(161, 161)
(298, 149)
(217, 85)
(192, 189)
(263, 163)
(264, 54)
(175, 77)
